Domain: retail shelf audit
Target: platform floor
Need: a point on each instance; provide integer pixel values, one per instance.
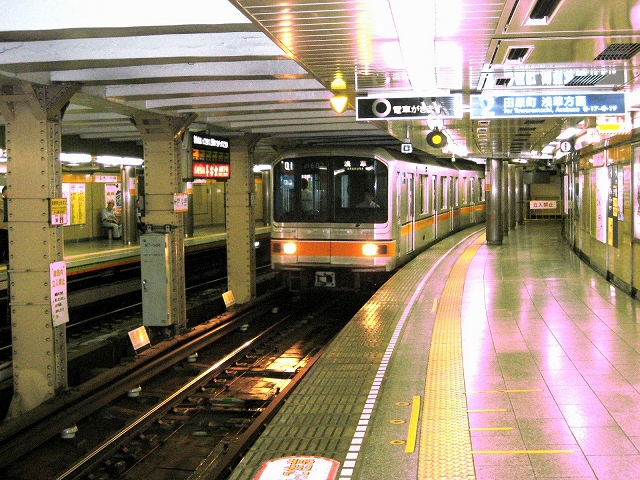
(495, 362)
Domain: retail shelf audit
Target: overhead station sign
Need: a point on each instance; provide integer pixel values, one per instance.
(547, 105)
(408, 108)
(211, 157)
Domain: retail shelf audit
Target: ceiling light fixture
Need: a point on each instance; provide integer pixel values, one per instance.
(339, 88)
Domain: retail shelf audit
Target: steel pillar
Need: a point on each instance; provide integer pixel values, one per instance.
(240, 219)
(494, 205)
(162, 140)
(511, 195)
(504, 199)
(34, 176)
(519, 196)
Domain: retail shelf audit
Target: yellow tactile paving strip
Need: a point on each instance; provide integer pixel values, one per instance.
(445, 439)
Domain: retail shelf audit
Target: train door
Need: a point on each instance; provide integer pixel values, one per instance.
(406, 217)
(435, 205)
(455, 203)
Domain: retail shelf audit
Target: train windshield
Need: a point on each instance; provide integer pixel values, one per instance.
(330, 189)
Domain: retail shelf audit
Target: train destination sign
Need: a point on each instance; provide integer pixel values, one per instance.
(409, 108)
(211, 157)
(547, 105)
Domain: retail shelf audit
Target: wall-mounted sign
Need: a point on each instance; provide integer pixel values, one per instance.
(412, 108)
(180, 202)
(547, 105)
(211, 156)
(58, 211)
(58, 278)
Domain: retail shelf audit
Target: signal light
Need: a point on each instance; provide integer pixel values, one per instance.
(436, 139)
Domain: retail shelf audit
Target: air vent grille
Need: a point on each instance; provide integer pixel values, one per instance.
(584, 80)
(619, 51)
(543, 9)
(517, 54)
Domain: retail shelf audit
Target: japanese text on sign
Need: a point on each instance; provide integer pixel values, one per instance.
(542, 204)
(210, 170)
(58, 279)
(399, 108)
(298, 468)
(587, 104)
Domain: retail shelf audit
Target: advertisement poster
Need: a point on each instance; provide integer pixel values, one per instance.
(612, 207)
(602, 196)
(76, 196)
(636, 193)
(113, 192)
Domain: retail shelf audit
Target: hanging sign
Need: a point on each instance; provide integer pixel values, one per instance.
(547, 105)
(411, 108)
(211, 156)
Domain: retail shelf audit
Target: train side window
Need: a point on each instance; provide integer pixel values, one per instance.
(444, 193)
(455, 191)
(465, 191)
(434, 189)
(424, 194)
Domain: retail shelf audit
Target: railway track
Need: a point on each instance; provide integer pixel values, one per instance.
(200, 405)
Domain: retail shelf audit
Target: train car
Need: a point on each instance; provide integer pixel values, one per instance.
(343, 217)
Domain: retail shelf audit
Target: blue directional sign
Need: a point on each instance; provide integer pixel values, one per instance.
(408, 108)
(547, 105)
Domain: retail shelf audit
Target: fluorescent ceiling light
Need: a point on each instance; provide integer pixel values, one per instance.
(417, 44)
(569, 132)
(109, 160)
(77, 158)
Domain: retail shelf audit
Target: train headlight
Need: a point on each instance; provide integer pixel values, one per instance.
(289, 248)
(369, 249)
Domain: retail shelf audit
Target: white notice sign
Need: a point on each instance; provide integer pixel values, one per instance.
(58, 279)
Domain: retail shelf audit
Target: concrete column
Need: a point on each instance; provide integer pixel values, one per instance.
(494, 207)
(129, 210)
(240, 219)
(32, 115)
(504, 198)
(162, 140)
(519, 195)
(511, 191)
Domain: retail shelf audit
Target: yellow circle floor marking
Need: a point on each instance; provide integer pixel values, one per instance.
(402, 404)
(397, 422)
(397, 442)
(445, 451)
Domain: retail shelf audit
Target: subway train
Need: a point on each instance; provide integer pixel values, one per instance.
(348, 217)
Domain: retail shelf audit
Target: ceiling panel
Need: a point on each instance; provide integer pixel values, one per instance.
(265, 66)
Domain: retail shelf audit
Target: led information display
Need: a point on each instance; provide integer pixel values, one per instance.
(408, 108)
(211, 157)
(547, 105)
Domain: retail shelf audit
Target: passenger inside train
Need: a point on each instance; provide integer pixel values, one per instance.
(368, 201)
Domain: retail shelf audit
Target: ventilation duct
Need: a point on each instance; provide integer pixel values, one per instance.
(543, 9)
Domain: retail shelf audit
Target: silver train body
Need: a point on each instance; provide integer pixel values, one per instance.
(346, 217)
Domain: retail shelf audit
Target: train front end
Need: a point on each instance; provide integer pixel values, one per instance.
(331, 219)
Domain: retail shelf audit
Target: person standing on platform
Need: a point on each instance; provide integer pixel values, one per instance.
(109, 220)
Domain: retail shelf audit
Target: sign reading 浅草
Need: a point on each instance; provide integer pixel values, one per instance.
(547, 105)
